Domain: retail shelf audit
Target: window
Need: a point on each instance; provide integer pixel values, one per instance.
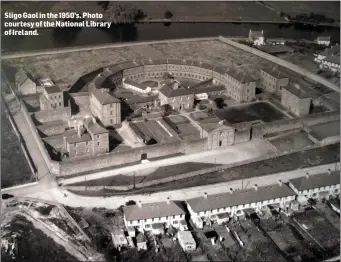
(97, 136)
(111, 121)
(60, 103)
(87, 150)
(98, 143)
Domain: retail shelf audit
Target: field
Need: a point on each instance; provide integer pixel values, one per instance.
(331, 9)
(61, 67)
(250, 112)
(292, 141)
(30, 247)
(14, 167)
(157, 130)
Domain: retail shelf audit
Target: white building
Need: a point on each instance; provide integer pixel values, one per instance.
(331, 62)
(316, 186)
(141, 242)
(334, 50)
(148, 217)
(257, 37)
(186, 241)
(323, 40)
(25, 85)
(234, 202)
(137, 87)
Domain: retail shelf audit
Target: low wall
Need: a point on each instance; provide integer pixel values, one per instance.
(290, 124)
(74, 166)
(52, 165)
(282, 62)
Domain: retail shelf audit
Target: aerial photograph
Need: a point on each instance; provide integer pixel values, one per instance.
(170, 131)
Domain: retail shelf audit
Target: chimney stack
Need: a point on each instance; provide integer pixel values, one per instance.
(79, 132)
(139, 204)
(231, 191)
(307, 175)
(205, 195)
(168, 200)
(280, 182)
(256, 187)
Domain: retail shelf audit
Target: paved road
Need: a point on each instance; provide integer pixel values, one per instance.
(65, 197)
(253, 149)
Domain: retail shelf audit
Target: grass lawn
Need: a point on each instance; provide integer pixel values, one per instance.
(14, 167)
(250, 112)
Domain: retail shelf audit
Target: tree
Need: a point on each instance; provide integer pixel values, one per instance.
(166, 109)
(219, 102)
(168, 14)
(123, 13)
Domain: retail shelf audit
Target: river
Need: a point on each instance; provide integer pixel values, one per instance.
(58, 38)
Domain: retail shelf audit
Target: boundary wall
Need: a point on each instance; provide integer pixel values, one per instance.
(180, 176)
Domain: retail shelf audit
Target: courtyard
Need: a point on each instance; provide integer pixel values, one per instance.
(263, 111)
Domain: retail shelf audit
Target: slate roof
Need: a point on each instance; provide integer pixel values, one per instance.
(331, 51)
(138, 100)
(21, 77)
(204, 83)
(209, 89)
(248, 196)
(323, 38)
(275, 73)
(256, 33)
(96, 129)
(105, 98)
(78, 139)
(240, 76)
(52, 89)
(316, 181)
(208, 127)
(333, 59)
(136, 84)
(169, 92)
(153, 210)
(296, 91)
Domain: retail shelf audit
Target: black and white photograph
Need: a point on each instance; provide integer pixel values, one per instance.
(170, 131)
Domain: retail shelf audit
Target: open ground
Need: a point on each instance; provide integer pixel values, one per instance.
(61, 67)
(12, 156)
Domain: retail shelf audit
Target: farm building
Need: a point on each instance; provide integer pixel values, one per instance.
(24, 83)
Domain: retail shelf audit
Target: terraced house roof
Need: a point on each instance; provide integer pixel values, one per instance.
(153, 210)
(239, 197)
(241, 77)
(53, 89)
(316, 181)
(274, 73)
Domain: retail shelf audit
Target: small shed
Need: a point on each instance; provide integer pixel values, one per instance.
(141, 242)
(183, 225)
(186, 241)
